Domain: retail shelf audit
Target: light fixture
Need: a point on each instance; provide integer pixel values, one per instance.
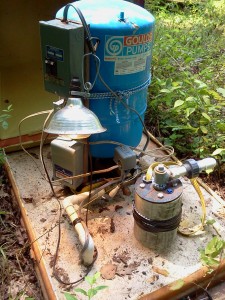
(74, 119)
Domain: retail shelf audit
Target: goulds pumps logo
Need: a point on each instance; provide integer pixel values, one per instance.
(114, 45)
(120, 46)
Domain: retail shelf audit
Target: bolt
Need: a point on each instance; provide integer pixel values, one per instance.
(169, 191)
(160, 195)
(142, 185)
(161, 167)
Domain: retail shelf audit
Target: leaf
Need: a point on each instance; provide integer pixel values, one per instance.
(108, 271)
(90, 280)
(177, 285)
(5, 125)
(221, 126)
(2, 253)
(215, 95)
(214, 247)
(166, 91)
(97, 275)
(201, 85)
(190, 98)
(189, 111)
(163, 272)
(100, 287)
(91, 293)
(204, 129)
(206, 99)
(3, 212)
(221, 91)
(210, 222)
(206, 116)
(69, 296)
(218, 151)
(178, 103)
(78, 290)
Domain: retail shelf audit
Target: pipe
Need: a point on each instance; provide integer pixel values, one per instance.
(85, 238)
(86, 241)
(198, 166)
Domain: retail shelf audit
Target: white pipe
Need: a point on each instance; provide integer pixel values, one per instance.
(206, 164)
(88, 252)
(68, 204)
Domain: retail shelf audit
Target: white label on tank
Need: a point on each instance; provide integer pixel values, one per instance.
(128, 53)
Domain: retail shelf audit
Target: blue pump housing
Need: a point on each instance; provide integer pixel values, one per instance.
(124, 54)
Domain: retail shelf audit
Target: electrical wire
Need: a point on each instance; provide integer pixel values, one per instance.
(97, 71)
(59, 238)
(96, 191)
(168, 149)
(20, 136)
(87, 174)
(55, 274)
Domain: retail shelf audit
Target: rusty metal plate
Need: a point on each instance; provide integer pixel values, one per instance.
(147, 192)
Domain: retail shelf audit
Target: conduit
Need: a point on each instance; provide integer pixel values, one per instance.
(83, 235)
(45, 278)
(87, 253)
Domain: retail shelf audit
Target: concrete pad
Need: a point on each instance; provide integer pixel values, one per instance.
(139, 270)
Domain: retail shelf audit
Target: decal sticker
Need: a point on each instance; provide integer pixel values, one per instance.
(63, 173)
(128, 53)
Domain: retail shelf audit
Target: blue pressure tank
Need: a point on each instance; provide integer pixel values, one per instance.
(121, 65)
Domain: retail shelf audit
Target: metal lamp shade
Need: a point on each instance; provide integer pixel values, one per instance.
(74, 119)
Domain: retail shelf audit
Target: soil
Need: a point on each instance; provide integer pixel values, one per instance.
(216, 181)
(18, 280)
(17, 272)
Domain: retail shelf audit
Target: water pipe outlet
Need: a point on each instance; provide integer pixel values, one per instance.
(192, 168)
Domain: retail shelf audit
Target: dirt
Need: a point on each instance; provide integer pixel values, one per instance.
(216, 181)
(17, 274)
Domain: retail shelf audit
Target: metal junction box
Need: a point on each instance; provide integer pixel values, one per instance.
(67, 160)
(62, 47)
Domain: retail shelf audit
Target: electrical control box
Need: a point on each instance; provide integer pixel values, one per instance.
(124, 156)
(62, 46)
(67, 160)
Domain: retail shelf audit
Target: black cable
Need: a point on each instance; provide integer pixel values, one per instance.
(88, 37)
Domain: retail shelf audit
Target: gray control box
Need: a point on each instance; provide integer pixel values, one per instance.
(124, 156)
(62, 46)
(67, 160)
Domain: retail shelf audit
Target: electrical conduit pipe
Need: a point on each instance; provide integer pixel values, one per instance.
(84, 237)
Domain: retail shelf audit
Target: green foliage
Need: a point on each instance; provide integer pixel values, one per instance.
(4, 124)
(187, 96)
(211, 255)
(5, 116)
(90, 293)
(190, 116)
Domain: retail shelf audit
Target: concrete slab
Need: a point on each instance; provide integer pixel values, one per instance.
(139, 270)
